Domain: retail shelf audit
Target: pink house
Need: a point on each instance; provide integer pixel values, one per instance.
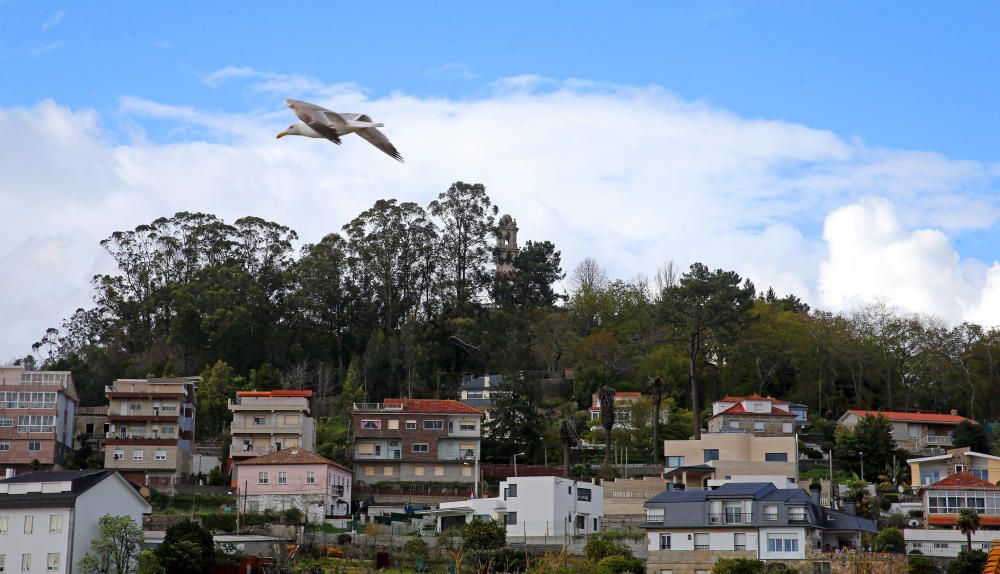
(294, 477)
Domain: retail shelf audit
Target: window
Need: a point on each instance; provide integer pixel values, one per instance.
(770, 512)
(438, 471)
(511, 518)
(941, 545)
(418, 470)
(467, 450)
(796, 513)
(3, 525)
(371, 424)
(711, 454)
(420, 447)
(654, 514)
(467, 425)
(26, 562)
(959, 467)
(4, 446)
(411, 425)
(433, 425)
(583, 494)
(34, 446)
(387, 471)
(55, 523)
(782, 543)
(366, 448)
(393, 424)
(758, 425)
(776, 456)
(310, 477)
(137, 454)
(512, 491)
(664, 542)
(6, 422)
(52, 562)
(977, 472)
(786, 428)
(262, 478)
(675, 461)
(282, 477)
(739, 541)
(734, 424)
(29, 523)
(666, 572)
(160, 455)
(369, 471)
(701, 541)
(118, 454)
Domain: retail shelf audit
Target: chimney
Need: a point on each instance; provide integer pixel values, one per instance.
(954, 412)
(814, 491)
(850, 506)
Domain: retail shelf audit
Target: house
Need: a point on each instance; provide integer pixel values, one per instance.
(37, 414)
(943, 499)
(295, 478)
(722, 456)
(479, 392)
(941, 543)
(624, 497)
(762, 416)
(91, 429)
(532, 507)
(48, 519)
(267, 421)
(152, 430)
(425, 440)
(930, 469)
(924, 433)
(688, 531)
(623, 409)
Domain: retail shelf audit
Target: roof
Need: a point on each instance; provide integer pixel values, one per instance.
(274, 393)
(433, 406)
(81, 481)
(738, 409)
(962, 481)
(295, 455)
(753, 397)
(837, 520)
(479, 383)
(758, 490)
(480, 403)
(694, 469)
(912, 417)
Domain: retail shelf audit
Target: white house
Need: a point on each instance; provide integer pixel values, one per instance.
(533, 506)
(48, 519)
(942, 543)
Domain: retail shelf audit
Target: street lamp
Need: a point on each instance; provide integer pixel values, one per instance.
(475, 489)
(515, 461)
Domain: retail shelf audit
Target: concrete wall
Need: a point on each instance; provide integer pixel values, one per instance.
(114, 496)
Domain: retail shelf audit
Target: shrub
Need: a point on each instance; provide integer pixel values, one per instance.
(597, 549)
(216, 522)
(416, 548)
(890, 539)
(292, 516)
(343, 539)
(484, 535)
(619, 564)
(968, 562)
(496, 560)
(780, 568)
(739, 566)
(922, 565)
(916, 513)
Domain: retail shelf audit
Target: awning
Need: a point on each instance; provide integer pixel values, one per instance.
(695, 470)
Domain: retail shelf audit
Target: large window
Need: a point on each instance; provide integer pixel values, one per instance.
(583, 494)
(711, 454)
(371, 424)
(34, 446)
(420, 447)
(950, 502)
(55, 523)
(433, 425)
(282, 477)
(262, 478)
(467, 425)
(782, 543)
(52, 562)
(28, 400)
(310, 477)
(33, 423)
(511, 491)
(511, 518)
(675, 461)
(664, 542)
(4, 446)
(776, 456)
(6, 422)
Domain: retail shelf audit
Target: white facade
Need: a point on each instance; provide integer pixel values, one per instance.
(946, 543)
(53, 536)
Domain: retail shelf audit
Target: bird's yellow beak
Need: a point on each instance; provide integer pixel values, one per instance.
(281, 135)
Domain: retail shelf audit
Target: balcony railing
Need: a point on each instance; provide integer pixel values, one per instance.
(934, 440)
(730, 518)
(378, 407)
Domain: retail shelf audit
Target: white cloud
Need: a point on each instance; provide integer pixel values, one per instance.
(47, 48)
(53, 20)
(452, 70)
(632, 176)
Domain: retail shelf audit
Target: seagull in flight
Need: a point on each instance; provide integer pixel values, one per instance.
(318, 122)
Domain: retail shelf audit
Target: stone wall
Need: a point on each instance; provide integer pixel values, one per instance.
(311, 505)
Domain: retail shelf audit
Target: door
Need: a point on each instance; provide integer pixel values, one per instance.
(124, 409)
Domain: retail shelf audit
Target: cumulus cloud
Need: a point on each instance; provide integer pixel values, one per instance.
(629, 175)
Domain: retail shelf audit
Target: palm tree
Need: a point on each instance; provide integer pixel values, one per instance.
(968, 523)
(606, 396)
(568, 436)
(656, 389)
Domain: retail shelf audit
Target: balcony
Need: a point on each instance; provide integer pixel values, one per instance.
(269, 428)
(730, 518)
(396, 408)
(934, 441)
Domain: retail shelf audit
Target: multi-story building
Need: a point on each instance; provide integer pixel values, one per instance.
(930, 469)
(688, 531)
(91, 429)
(37, 414)
(151, 430)
(762, 416)
(479, 392)
(295, 478)
(48, 519)
(623, 409)
(534, 507)
(944, 498)
(423, 440)
(918, 433)
(723, 456)
(269, 421)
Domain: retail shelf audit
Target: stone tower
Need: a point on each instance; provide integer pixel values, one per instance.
(506, 243)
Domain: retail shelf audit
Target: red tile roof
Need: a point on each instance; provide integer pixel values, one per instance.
(962, 481)
(913, 417)
(738, 409)
(433, 406)
(274, 393)
(293, 455)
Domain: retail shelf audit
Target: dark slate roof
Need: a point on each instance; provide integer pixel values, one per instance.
(479, 383)
(845, 521)
(478, 402)
(696, 468)
(758, 490)
(787, 494)
(82, 481)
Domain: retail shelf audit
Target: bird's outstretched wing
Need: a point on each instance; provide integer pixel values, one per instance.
(378, 139)
(322, 120)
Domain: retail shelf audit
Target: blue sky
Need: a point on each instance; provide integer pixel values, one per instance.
(841, 151)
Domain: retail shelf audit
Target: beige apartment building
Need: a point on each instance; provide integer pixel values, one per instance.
(37, 413)
(692, 464)
(269, 421)
(151, 430)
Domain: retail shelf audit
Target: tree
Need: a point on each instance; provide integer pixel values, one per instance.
(922, 565)
(739, 566)
(148, 564)
(187, 548)
(529, 283)
(483, 535)
(218, 383)
(606, 396)
(656, 391)
(968, 562)
(118, 541)
(972, 435)
(870, 438)
(569, 437)
(515, 419)
(890, 539)
(466, 220)
(588, 274)
(968, 522)
(706, 308)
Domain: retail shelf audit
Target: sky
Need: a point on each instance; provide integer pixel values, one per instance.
(845, 152)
